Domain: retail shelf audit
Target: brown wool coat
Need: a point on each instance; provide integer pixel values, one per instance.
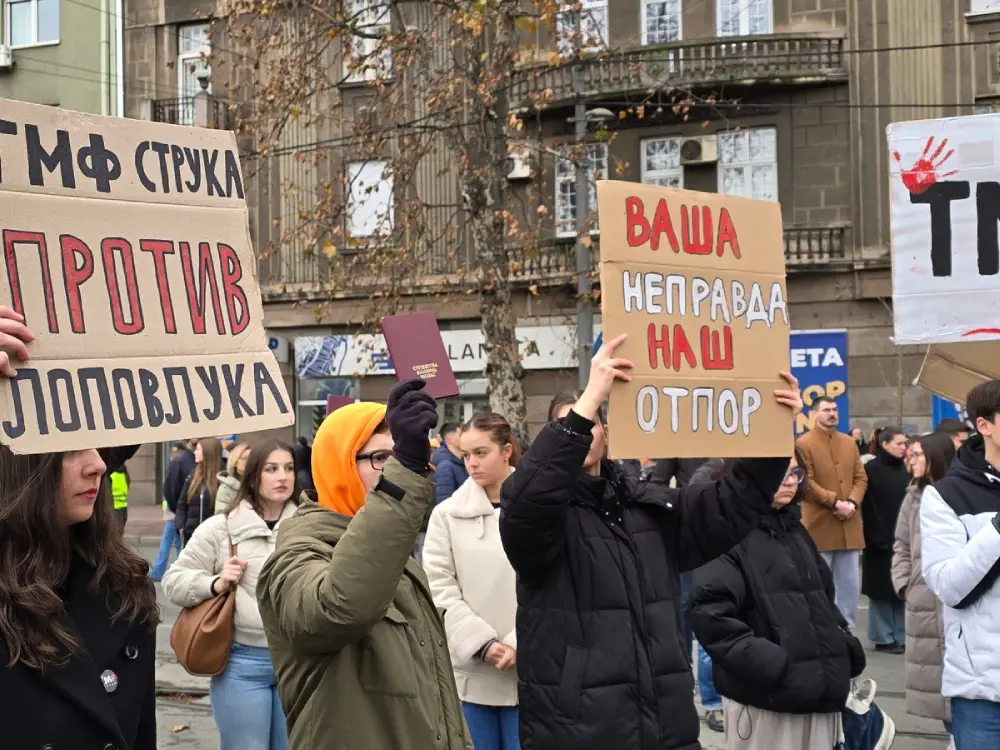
(835, 473)
(924, 627)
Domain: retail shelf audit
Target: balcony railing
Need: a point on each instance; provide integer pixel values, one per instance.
(776, 58)
(181, 111)
(554, 262)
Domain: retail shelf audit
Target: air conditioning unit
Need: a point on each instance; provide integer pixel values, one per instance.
(701, 150)
(518, 164)
(6, 57)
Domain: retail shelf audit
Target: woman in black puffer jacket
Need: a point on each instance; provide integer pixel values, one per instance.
(600, 654)
(782, 656)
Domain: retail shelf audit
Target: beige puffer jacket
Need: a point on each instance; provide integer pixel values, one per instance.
(188, 581)
(924, 625)
(226, 495)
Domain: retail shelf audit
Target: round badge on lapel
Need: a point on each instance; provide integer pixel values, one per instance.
(110, 680)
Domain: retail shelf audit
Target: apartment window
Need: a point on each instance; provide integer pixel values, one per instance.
(744, 17)
(748, 163)
(661, 21)
(982, 6)
(367, 56)
(661, 162)
(597, 169)
(194, 47)
(369, 199)
(31, 22)
(593, 27)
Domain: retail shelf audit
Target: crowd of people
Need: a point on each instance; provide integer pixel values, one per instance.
(483, 596)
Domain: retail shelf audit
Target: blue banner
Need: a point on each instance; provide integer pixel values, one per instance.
(942, 409)
(819, 361)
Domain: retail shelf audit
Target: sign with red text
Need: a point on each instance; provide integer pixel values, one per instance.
(126, 247)
(944, 203)
(697, 281)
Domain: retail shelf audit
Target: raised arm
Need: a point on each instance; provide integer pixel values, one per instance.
(705, 520)
(323, 602)
(536, 496)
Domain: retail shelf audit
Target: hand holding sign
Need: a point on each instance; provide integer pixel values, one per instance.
(14, 337)
(605, 369)
(790, 398)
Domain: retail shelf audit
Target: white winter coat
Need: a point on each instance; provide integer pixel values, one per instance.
(188, 581)
(473, 583)
(959, 551)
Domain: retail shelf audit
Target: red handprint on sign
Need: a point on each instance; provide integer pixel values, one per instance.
(924, 171)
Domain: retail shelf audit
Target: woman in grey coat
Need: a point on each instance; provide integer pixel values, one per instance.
(931, 456)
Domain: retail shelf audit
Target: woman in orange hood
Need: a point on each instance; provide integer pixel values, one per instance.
(357, 644)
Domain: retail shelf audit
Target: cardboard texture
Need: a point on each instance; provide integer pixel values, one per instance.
(944, 179)
(417, 350)
(952, 370)
(697, 280)
(127, 249)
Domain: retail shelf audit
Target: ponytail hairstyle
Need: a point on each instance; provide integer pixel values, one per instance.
(500, 432)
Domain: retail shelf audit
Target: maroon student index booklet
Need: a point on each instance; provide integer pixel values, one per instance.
(417, 351)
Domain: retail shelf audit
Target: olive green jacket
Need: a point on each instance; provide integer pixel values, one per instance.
(358, 646)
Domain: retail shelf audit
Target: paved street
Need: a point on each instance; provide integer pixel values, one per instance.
(187, 722)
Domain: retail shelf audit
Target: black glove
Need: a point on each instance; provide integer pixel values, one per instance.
(411, 414)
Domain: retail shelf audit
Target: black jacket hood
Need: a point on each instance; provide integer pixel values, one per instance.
(972, 466)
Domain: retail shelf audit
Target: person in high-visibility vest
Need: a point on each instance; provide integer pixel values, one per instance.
(119, 494)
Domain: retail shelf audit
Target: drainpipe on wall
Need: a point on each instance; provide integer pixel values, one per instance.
(120, 56)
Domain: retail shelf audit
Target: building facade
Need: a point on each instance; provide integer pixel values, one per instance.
(63, 54)
(785, 100)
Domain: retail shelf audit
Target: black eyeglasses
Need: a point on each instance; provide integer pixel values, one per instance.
(377, 459)
(796, 475)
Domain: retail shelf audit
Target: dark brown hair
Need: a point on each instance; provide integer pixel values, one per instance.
(499, 431)
(37, 553)
(939, 452)
(250, 481)
(206, 473)
(569, 398)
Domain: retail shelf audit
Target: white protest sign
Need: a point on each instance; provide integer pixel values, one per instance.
(944, 180)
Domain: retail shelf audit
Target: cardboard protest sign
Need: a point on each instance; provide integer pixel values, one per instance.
(417, 351)
(945, 209)
(127, 249)
(697, 280)
(952, 370)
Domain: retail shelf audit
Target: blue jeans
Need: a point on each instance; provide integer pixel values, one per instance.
(887, 623)
(492, 727)
(170, 539)
(245, 702)
(710, 700)
(975, 724)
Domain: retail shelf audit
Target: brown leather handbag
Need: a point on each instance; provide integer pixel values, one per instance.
(202, 636)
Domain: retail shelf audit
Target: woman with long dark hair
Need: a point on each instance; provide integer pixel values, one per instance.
(598, 559)
(931, 455)
(245, 696)
(197, 500)
(78, 612)
(782, 657)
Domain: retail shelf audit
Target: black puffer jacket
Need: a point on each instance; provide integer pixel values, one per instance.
(765, 613)
(601, 664)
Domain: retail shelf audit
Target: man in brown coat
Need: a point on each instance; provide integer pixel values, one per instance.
(830, 512)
